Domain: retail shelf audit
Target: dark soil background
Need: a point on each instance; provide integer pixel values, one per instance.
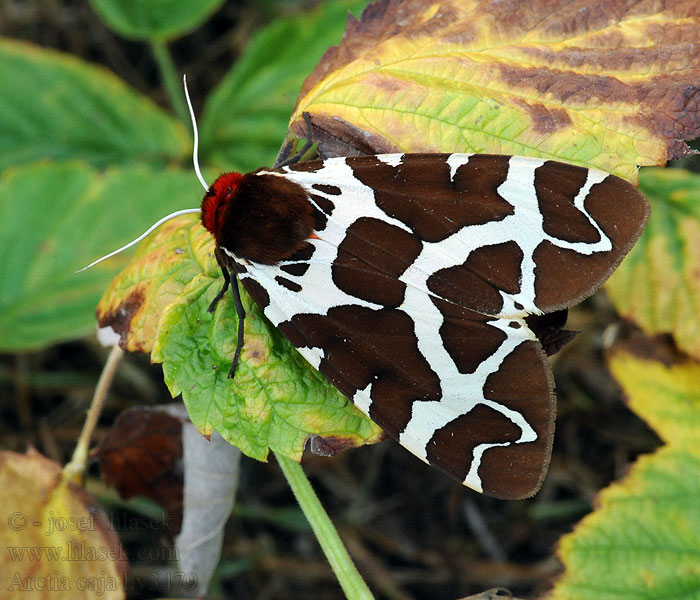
(413, 532)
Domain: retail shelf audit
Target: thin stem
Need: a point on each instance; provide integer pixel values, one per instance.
(349, 578)
(168, 72)
(76, 467)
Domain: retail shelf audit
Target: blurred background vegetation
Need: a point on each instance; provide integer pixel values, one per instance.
(93, 148)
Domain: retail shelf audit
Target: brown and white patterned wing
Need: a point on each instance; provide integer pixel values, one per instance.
(412, 295)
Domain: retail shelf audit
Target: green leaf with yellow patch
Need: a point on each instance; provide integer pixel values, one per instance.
(658, 284)
(162, 266)
(611, 85)
(55, 217)
(276, 401)
(643, 540)
(665, 394)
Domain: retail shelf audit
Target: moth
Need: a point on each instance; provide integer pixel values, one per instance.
(423, 286)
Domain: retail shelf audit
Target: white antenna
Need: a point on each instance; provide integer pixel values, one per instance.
(195, 149)
(177, 213)
(185, 211)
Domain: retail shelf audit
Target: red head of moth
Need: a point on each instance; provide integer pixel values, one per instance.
(216, 199)
(259, 217)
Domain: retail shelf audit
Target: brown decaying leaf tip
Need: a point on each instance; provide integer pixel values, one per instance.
(120, 317)
(331, 445)
(645, 54)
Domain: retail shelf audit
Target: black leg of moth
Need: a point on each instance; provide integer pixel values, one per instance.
(227, 282)
(240, 311)
(304, 149)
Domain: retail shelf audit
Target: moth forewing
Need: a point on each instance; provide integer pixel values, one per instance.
(411, 293)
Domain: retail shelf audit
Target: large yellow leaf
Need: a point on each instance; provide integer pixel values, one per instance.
(57, 544)
(607, 84)
(658, 284)
(643, 540)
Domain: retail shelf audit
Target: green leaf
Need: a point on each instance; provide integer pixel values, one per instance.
(154, 19)
(245, 119)
(643, 541)
(57, 217)
(658, 284)
(276, 400)
(54, 105)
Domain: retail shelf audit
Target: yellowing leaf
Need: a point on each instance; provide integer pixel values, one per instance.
(643, 541)
(667, 397)
(56, 544)
(658, 284)
(606, 84)
(135, 300)
(277, 401)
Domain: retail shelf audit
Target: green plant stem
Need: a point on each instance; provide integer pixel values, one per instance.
(172, 82)
(349, 578)
(76, 467)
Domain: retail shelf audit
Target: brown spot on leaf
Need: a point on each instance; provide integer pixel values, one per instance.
(660, 348)
(545, 119)
(336, 137)
(119, 318)
(330, 445)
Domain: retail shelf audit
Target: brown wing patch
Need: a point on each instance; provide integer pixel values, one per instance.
(432, 204)
(454, 443)
(466, 336)
(323, 203)
(478, 282)
(564, 277)
(256, 291)
(557, 186)
(370, 260)
(363, 346)
(524, 384)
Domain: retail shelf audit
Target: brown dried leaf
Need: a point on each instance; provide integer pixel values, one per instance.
(58, 543)
(139, 455)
